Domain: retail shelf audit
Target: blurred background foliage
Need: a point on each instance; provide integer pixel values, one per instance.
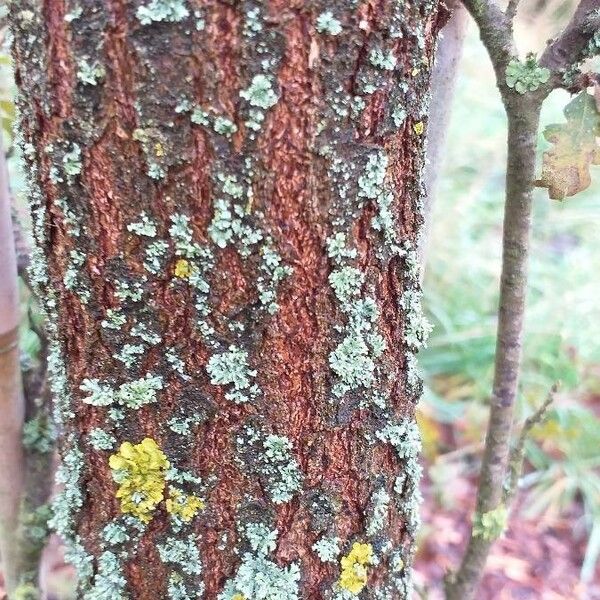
(461, 291)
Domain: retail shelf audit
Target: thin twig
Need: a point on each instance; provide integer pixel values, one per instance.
(518, 452)
(511, 9)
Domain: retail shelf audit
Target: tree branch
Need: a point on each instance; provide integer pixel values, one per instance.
(572, 45)
(495, 30)
(515, 465)
(511, 9)
(523, 121)
(500, 467)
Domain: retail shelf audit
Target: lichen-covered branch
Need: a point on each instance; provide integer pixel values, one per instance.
(495, 30)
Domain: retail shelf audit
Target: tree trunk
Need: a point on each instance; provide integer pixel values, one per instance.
(227, 204)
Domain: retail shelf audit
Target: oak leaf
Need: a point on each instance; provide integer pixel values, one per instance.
(566, 166)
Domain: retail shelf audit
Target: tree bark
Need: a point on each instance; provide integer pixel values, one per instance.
(227, 203)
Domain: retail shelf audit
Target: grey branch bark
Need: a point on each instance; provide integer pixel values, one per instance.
(523, 121)
(571, 46)
(495, 31)
(518, 451)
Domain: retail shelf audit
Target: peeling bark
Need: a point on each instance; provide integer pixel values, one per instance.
(227, 203)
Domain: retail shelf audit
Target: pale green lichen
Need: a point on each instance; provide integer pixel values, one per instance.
(154, 255)
(526, 76)
(145, 226)
(327, 549)
(258, 578)
(337, 247)
(74, 14)
(399, 116)
(114, 319)
(129, 290)
(231, 368)
(129, 354)
(490, 525)
(417, 327)
(327, 23)
(200, 117)
(142, 331)
(114, 534)
(156, 172)
(274, 273)
(72, 161)
(67, 503)
(90, 73)
(101, 440)
(346, 283)
(261, 538)
(383, 60)
(224, 126)
(404, 436)
(379, 507)
(260, 92)
(71, 220)
(280, 468)
(162, 10)
(109, 582)
(228, 224)
(181, 552)
(133, 394)
(370, 182)
(253, 22)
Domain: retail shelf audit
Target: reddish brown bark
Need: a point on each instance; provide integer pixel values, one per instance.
(148, 70)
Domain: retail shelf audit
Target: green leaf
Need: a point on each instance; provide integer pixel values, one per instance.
(566, 166)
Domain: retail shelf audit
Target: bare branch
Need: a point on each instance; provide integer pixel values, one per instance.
(495, 30)
(523, 121)
(511, 9)
(572, 45)
(515, 467)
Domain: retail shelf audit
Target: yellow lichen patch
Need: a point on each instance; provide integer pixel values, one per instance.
(238, 597)
(184, 506)
(158, 149)
(419, 128)
(183, 269)
(354, 567)
(415, 71)
(139, 469)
